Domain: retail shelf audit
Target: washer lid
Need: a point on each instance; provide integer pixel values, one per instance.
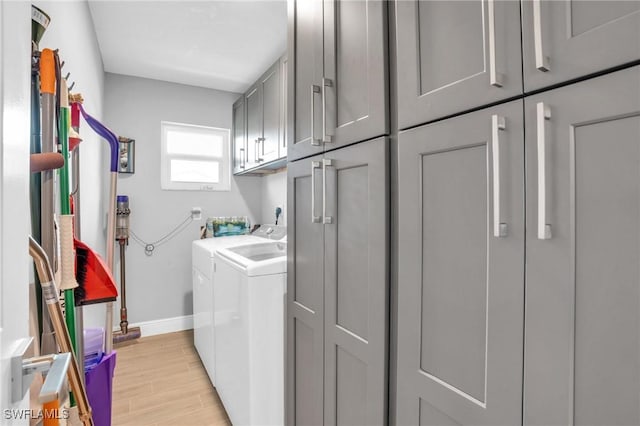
(257, 259)
(203, 251)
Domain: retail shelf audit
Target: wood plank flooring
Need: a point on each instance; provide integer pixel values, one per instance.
(160, 380)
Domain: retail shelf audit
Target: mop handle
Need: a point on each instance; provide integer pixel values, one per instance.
(47, 72)
(43, 268)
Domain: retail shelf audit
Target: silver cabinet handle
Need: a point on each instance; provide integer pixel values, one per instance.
(543, 115)
(542, 61)
(325, 163)
(495, 78)
(326, 138)
(242, 158)
(498, 123)
(259, 141)
(314, 165)
(314, 89)
(256, 151)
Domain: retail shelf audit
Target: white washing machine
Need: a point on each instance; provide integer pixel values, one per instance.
(203, 255)
(250, 290)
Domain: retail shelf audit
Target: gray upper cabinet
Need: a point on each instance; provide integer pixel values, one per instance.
(337, 287)
(263, 118)
(269, 142)
(355, 84)
(564, 40)
(253, 101)
(582, 350)
(461, 270)
(338, 63)
(305, 56)
(453, 56)
(239, 136)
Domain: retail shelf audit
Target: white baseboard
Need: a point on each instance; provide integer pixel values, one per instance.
(162, 326)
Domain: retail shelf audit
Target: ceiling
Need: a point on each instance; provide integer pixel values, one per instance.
(223, 45)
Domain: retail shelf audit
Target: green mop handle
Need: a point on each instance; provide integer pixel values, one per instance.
(68, 282)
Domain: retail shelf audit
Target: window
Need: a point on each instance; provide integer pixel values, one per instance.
(195, 158)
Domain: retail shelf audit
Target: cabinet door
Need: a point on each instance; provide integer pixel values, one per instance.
(460, 288)
(564, 40)
(582, 349)
(305, 77)
(253, 100)
(305, 293)
(270, 140)
(455, 55)
(284, 64)
(355, 213)
(239, 137)
(355, 87)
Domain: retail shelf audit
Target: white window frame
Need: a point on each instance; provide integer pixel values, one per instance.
(225, 161)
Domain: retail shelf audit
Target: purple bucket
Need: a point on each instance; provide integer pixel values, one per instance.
(99, 382)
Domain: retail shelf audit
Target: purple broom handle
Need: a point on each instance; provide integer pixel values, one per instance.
(107, 134)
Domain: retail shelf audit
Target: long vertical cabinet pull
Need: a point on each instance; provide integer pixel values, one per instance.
(256, 152)
(543, 114)
(325, 163)
(498, 124)
(260, 142)
(542, 61)
(495, 78)
(326, 137)
(242, 158)
(314, 165)
(314, 89)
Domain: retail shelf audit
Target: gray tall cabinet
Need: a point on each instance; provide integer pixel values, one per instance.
(337, 292)
(582, 345)
(461, 268)
(338, 221)
(512, 130)
(518, 213)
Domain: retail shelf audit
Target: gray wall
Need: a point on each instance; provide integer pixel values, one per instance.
(159, 286)
(274, 194)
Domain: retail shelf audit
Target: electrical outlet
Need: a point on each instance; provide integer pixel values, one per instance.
(196, 213)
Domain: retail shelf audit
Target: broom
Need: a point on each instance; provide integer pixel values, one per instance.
(95, 282)
(114, 145)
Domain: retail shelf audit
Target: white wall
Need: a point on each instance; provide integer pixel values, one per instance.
(159, 286)
(71, 31)
(274, 194)
(14, 190)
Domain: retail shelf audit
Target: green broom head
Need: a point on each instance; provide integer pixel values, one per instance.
(39, 23)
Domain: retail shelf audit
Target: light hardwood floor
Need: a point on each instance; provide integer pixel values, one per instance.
(160, 380)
